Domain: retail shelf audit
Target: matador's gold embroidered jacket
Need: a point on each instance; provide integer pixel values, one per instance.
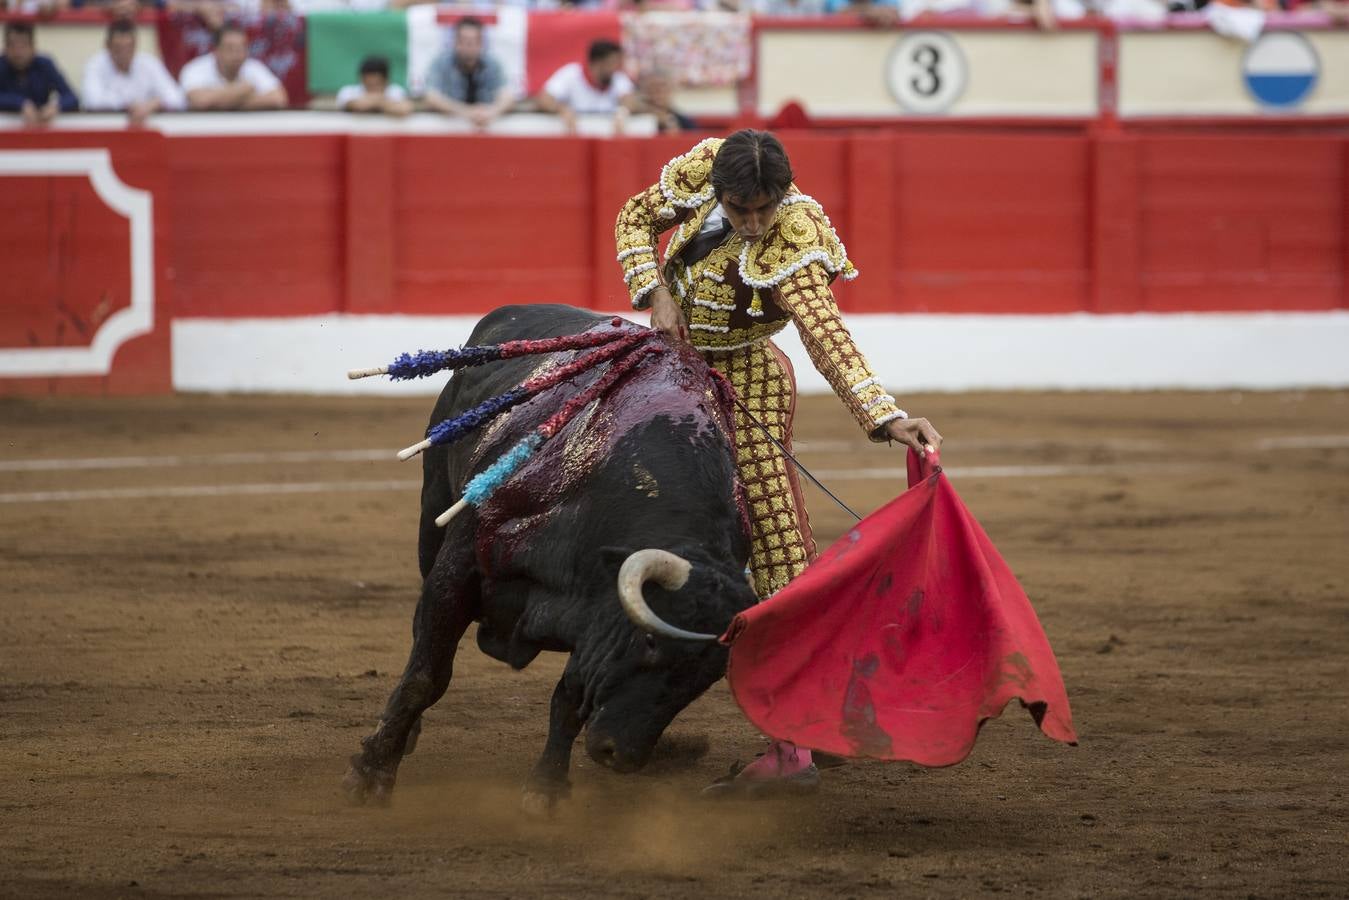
(739, 295)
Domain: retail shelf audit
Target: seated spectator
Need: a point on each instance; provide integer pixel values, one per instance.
(784, 7)
(877, 12)
(226, 78)
(374, 94)
(1045, 13)
(465, 81)
(1338, 10)
(38, 7)
(657, 98)
(598, 87)
(29, 83)
(119, 78)
(127, 9)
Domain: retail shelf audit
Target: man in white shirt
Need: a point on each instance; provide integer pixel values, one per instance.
(374, 94)
(226, 78)
(119, 78)
(598, 87)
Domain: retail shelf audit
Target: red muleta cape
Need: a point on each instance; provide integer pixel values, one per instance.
(900, 640)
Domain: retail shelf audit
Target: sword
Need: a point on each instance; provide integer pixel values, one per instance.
(787, 453)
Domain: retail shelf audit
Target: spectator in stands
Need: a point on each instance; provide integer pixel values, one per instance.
(374, 94)
(598, 87)
(1338, 10)
(226, 78)
(1045, 13)
(657, 98)
(119, 78)
(38, 7)
(210, 13)
(877, 12)
(30, 83)
(783, 7)
(127, 9)
(466, 81)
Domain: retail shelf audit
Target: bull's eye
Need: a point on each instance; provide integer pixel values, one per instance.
(650, 641)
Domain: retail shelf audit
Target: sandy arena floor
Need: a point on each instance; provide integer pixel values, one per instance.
(193, 640)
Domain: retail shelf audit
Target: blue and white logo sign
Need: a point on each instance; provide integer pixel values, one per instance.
(1280, 69)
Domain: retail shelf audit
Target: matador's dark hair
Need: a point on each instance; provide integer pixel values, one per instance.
(751, 163)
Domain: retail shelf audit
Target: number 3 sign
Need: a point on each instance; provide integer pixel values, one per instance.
(926, 72)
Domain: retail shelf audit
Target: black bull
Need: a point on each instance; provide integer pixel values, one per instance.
(537, 567)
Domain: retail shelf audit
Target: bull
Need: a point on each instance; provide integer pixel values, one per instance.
(622, 543)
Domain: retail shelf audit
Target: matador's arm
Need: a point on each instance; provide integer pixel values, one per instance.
(637, 233)
(807, 296)
(798, 259)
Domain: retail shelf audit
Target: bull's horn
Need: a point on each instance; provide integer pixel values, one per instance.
(668, 570)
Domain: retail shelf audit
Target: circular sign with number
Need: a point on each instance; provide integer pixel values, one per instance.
(926, 72)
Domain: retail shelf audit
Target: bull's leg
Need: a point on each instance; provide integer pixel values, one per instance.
(449, 602)
(548, 783)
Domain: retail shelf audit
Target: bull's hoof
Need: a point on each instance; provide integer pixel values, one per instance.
(365, 786)
(540, 799)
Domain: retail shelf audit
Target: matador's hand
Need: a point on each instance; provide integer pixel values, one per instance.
(666, 315)
(916, 433)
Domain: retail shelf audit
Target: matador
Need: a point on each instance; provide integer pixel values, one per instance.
(751, 253)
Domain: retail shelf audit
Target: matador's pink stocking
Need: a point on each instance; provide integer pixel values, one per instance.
(782, 759)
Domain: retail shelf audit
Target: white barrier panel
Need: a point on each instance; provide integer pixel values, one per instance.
(867, 73)
(1060, 352)
(1197, 73)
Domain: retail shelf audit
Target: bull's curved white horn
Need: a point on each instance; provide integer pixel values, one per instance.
(354, 374)
(668, 570)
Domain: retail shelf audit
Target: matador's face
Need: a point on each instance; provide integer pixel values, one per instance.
(750, 218)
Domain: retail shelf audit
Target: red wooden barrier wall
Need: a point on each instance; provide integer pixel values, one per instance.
(939, 222)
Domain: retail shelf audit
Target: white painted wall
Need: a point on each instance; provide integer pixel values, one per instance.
(911, 353)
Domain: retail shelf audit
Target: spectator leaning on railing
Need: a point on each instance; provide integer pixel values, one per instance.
(466, 81)
(30, 83)
(656, 91)
(374, 93)
(119, 78)
(226, 78)
(784, 7)
(887, 12)
(599, 87)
